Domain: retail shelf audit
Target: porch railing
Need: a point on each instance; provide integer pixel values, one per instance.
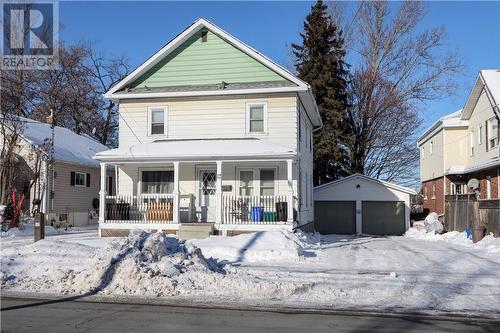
(140, 208)
(254, 209)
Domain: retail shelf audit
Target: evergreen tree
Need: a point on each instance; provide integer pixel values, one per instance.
(320, 62)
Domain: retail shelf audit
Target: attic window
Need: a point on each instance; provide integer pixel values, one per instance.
(204, 36)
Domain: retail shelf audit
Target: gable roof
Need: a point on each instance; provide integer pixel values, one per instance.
(302, 88)
(370, 179)
(489, 80)
(68, 146)
(447, 121)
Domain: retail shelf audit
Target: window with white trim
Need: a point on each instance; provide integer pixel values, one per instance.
(431, 148)
(480, 134)
(458, 188)
(257, 181)
(492, 124)
(157, 117)
(157, 181)
(488, 187)
(471, 142)
(425, 192)
(80, 179)
(433, 191)
(246, 182)
(256, 117)
(266, 181)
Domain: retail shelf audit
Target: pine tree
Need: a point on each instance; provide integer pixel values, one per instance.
(320, 62)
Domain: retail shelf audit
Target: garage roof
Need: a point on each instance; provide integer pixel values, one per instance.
(360, 176)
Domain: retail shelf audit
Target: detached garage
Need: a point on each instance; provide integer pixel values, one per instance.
(361, 205)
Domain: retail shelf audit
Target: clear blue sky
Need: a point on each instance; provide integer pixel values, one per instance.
(138, 29)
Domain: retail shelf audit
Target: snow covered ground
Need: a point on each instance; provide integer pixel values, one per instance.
(411, 273)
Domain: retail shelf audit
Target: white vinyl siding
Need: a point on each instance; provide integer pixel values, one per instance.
(210, 117)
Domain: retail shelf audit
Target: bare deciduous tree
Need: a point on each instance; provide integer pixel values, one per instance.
(396, 67)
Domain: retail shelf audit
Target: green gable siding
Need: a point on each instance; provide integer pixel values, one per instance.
(210, 62)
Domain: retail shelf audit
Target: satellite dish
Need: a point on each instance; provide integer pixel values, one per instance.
(473, 183)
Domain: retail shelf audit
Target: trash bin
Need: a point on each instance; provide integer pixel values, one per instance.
(257, 213)
(269, 216)
(281, 211)
(478, 234)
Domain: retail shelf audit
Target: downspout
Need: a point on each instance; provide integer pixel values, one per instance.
(116, 179)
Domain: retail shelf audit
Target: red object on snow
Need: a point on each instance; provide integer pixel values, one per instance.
(17, 204)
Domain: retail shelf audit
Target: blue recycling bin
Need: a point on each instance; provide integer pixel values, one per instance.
(257, 213)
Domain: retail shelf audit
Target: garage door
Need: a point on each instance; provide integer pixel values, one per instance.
(383, 217)
(335, 217)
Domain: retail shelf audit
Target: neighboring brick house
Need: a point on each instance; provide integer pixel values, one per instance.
(463, 145)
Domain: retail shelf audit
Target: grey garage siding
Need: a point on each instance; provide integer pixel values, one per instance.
(383, 217)
(335, 217)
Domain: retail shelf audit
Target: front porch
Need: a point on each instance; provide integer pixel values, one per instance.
(232, 194)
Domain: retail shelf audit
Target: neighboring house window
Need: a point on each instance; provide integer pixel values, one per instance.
(256, 117)
(267, 182)
(458, 188)
(157, 120)
(492, 130)
(246, 182)
(471, 137)
(425, 192)
(431, 148)
(480, 134)
(488, 187)
(157, 181)
(433, 191)
(80, 179)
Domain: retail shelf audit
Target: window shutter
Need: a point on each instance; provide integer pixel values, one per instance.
(72, 178)
(88, 180)
(486, 132)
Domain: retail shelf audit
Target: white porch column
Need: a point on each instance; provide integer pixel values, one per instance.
(102, 195)
(176, 193)
(290, 205)
(218, 193)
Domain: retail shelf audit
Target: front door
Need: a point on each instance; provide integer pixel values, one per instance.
(207, 187)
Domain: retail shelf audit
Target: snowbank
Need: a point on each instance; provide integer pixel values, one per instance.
(262, 247)
(489, 242)
(28, 231)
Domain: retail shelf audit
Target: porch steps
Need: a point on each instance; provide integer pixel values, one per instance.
(195, 230)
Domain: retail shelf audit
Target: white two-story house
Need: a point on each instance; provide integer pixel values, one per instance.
(211, 132)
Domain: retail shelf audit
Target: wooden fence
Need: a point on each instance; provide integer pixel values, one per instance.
(465, 211)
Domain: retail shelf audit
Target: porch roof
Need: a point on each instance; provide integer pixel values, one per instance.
(198, 150)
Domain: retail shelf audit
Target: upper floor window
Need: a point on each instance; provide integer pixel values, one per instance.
(431, 148)
(157, 117)
(471, 137)
(480, 134)
(492, 133)
(256, 117)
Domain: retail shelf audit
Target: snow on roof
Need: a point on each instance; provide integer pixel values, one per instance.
(482, 165)
(68, 146)
(449, 120)
(358, 175)
(206, 149)
(492, 80)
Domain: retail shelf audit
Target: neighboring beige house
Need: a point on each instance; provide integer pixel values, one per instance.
(214, 133)
(462, 146)
(68, 187)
